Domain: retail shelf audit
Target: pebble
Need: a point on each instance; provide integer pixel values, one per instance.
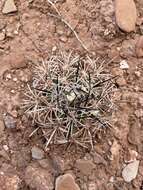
(139, 113)
(12, 91)
(139, 47)
(130, 171)
(9, 33)
(112, 179)
(38, 178)
(2, 36)
(5, 147)
(37, 153)
(85, 166)
(14, 113)
(9, 7)
(66, 182)
(15, 79)
(128, 48)
(54, 48)
(126, 14)
(138, 73)
(8, 76)
(98, 159)
(63, 39)
(124, 64)
(9, 121)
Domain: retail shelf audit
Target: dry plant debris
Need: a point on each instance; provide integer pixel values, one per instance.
(66, 23)
(70, 99)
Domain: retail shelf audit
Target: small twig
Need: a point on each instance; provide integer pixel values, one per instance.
(77, 71)
(102, 123)
(31, 134)
(66, 23)
(51, 137)
(88, 95)
(104, 81)
(57, 88)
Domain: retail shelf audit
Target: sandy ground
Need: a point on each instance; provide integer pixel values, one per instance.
(31, 34)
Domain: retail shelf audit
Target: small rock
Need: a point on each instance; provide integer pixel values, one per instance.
(54, 48)
(12, 91)
(137, 74)
(66, 182)
(9, 121)
(127, 49)
(16, 32)
(9, 7)
(139, 113)
(98, 159)
(8, 76)
(130, 171)
(15, 79)
(112, 179)
(63, 39)
(14, 113)
(38, 178)
(124, 64)
(9, 33)
(139, 47)
(2, 36)
(85, 166)
(37, 153)
(5, 147)
(126, 14)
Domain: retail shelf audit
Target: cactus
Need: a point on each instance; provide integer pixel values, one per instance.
(70, 99)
